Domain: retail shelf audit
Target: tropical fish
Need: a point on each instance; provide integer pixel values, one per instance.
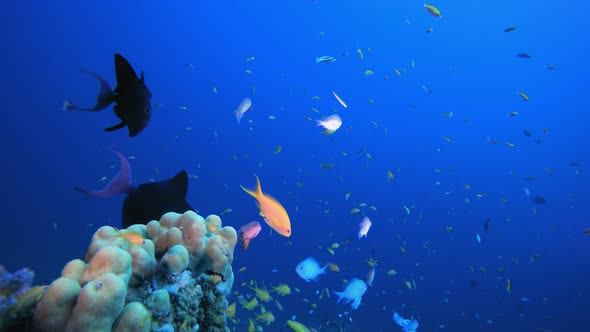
(523, 95)
(130, 236)
(406, 324)
(243, 108)
(297, 327)
(432, 10)
(486, 224)
(330, 123)
(325, 59)
(282, 289)
(247, 232)
(371, 276)
(266, 317)
(364, 227)
(539, 200)
(309, 269)
(261, 293)
(271, 210)
(353, 292)
(132, 98)
(148, 201)
(231, 310)
(510, 28)
(339, 100)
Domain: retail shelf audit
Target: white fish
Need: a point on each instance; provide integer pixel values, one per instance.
(243, 108)
(407, 210)
(527, 192)
(325, 59)
(371, 276)
(406, 324)
(364, 227)
(339, 100)
(309, 269)
(353, 292)
(330, 123)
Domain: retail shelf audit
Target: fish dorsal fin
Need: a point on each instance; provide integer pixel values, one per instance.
(174, 187)
(258, 187)
(125, 73)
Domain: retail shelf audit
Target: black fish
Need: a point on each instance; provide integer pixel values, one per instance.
(486, 225)
(148, 201)
(539, 200)
(524, 55)
(527, 133)
(131, 97)
(510, 28)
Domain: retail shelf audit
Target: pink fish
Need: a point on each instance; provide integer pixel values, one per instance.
(248, 232)
(364, 227)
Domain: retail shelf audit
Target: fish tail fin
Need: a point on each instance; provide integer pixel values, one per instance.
(317, 60)
(245, 244)
(103, 100)
(120, 184)
(250, 192)
(238, 116)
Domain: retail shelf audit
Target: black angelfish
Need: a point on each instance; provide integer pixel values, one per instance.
(148, 201)
(131, 97)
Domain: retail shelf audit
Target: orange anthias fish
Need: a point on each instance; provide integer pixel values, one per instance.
(130, 236)
(273, 212)
(248, 232)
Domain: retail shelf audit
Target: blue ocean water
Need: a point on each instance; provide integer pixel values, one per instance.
(467, 65)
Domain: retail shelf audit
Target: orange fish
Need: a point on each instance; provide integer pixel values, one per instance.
(130, 236)
(273, 212)
(248, 232)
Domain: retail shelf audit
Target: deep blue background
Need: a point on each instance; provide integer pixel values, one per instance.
(467, 61)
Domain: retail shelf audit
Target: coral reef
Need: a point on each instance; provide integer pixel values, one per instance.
(171, 274)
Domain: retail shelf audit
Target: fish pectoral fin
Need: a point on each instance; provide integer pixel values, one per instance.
(116, 127)
(245, 244)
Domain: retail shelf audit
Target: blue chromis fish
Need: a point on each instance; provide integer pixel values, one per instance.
(325, 59)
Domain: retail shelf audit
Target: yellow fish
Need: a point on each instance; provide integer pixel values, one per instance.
(333, 267)
(523, 95)
(231, 310)
(297, 327)
(433, 10)
(271, 210)
(389, 176)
